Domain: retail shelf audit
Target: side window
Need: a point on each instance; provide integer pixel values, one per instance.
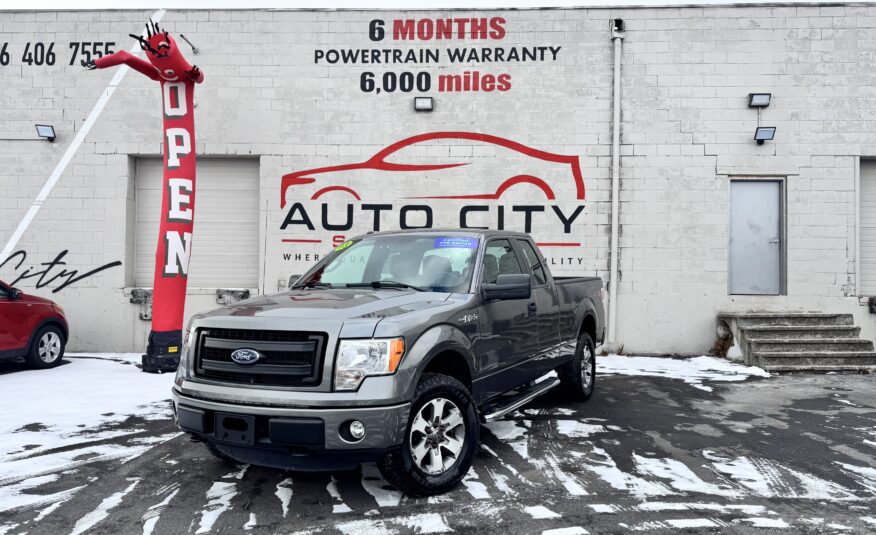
(3, 293)
(534, 263)
(499, 259)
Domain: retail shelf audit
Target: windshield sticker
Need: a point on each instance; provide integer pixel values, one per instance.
(344, 245)
(456, 242)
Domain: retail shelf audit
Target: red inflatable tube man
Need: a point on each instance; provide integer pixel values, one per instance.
(168, 66)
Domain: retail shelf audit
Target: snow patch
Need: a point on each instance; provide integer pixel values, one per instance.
(151, 516)
(712, 507)
(692, 523)
(338, 507)
(376, 486)
(576, 429)
(218, 501)
(604, 508)
(601, 464)
(425, 523)
(540, 512)
(474, 487)
(70, 409)
(770, 479)
(501, 482)
(760, 522)
(512, 433)
(692, 371)
(680, 477)
(569, 482)
(51, 509)
(863, 475)
(284, 494)
(571, 530)
(102, 511)
(365, 527)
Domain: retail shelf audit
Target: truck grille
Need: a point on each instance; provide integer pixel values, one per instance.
(288, 358)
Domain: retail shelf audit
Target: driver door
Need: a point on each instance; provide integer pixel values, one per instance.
(13, 320)
(508, 328)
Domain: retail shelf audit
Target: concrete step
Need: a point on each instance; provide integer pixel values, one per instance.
(802, 331)
(816, 368)
(792, 318)
(812, 360)
(826, 345)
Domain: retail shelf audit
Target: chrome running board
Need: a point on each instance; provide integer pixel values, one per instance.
(524, 397)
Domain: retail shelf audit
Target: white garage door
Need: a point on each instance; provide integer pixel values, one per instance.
(867, 283)
(225, 249)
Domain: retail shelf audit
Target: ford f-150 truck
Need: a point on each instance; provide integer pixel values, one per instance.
(393, 348)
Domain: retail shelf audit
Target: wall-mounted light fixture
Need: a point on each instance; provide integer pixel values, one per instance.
(759, 100)
(764, 133)
(46, 131)
(423, 104)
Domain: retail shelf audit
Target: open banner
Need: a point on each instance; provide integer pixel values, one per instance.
(167, 65)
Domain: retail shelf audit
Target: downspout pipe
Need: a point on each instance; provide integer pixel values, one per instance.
(617, 36)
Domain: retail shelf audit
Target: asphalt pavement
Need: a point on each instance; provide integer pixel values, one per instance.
(784, 454)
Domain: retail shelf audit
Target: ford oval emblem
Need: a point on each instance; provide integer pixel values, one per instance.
(245, 357)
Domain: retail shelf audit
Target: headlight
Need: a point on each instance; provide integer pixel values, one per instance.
(358, 359)
(181, 369)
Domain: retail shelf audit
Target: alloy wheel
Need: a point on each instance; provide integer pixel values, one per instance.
(437, 436)
(49, 347)
(587, 368)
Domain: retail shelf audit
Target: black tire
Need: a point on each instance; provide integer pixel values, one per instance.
(401, 470)
(46, 348)
(573, 382)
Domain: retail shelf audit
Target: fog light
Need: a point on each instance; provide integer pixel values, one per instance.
(357, 429)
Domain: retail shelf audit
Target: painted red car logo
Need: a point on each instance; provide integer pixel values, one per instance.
(385, 160)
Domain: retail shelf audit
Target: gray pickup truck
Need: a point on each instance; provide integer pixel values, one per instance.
(393, 348)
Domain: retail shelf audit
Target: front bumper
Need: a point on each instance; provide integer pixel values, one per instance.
(299, 430)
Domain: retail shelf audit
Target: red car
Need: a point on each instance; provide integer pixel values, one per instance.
(31, 327)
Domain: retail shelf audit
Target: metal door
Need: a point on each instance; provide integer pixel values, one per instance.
(867, 239)
(755, 237)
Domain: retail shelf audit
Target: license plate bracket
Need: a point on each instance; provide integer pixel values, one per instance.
(234, 428)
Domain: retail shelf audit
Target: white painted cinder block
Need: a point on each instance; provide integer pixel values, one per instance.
(686, 131)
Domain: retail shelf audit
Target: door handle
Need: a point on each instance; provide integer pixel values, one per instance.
(532, 308)
(774, 240)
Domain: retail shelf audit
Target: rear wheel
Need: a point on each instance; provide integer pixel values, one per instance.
(47, 348)
(441, 439)
(578, 377)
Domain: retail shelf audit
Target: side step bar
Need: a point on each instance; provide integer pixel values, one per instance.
(522, 398)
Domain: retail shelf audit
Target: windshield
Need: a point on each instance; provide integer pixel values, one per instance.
(429, 263)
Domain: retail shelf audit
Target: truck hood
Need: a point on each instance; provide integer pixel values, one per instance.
(333, 304)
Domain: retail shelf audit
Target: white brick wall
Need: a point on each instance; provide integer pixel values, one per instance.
(686, 130)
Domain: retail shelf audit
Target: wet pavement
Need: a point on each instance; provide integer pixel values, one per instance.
(785, 454)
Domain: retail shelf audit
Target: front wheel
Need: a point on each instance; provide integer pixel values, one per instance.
(578, 377)
(47, 348)
(441, 439)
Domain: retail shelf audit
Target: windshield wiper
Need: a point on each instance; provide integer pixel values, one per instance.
(384, 284)
(313, 284)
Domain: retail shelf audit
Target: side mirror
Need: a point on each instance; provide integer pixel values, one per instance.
(16, 293)
(293, 279)
(516, 286)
